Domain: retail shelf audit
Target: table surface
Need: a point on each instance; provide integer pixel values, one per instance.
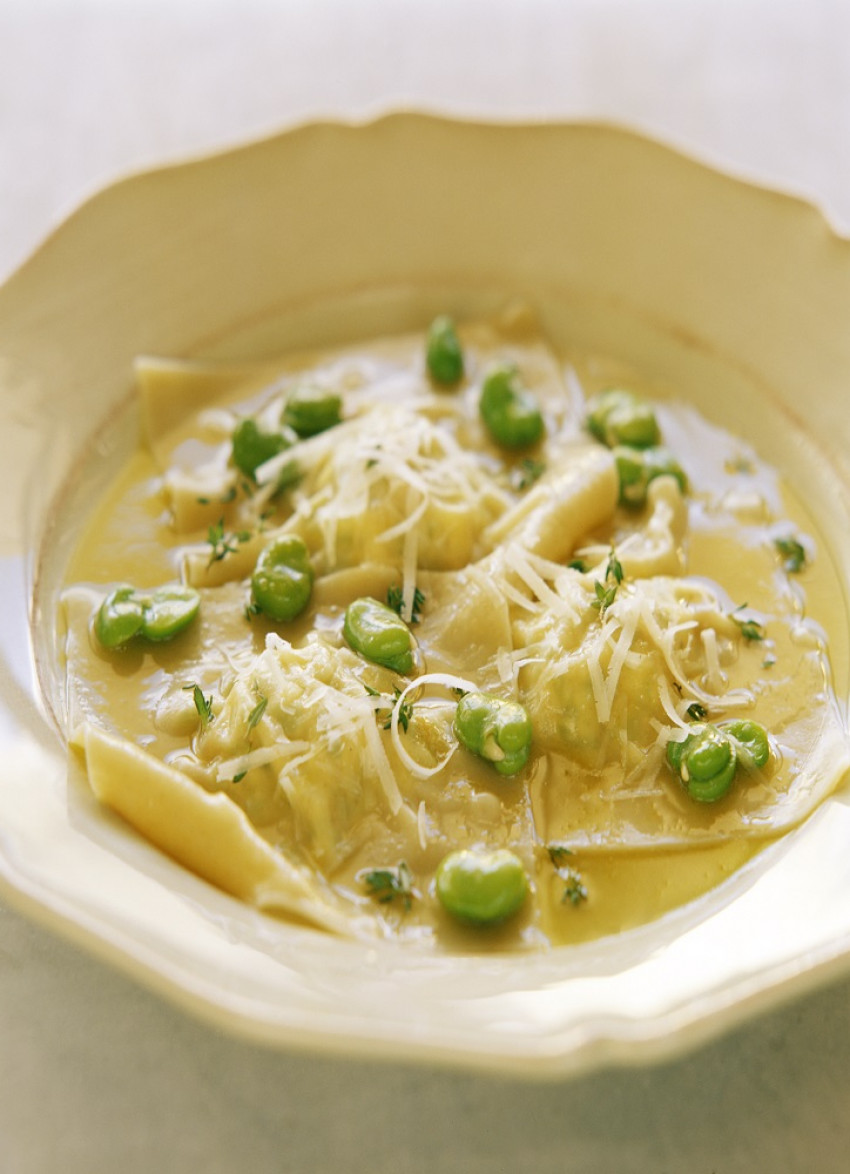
(97, 1074)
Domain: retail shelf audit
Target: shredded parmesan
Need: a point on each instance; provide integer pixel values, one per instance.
(422, 825)
(293, 764)
(406, 525)
(618, 657)
(227, 771)
(382, 765)
(448, 681)
(410, 552)
(505, 666)
(597, 682)
(715, 678)
(517, 560)
(668, 704)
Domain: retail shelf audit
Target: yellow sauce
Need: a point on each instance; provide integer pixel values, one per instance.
(631, 867)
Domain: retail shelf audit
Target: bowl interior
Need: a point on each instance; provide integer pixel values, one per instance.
(732, 298)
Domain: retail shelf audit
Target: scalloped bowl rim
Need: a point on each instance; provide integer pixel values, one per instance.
(507, 1014)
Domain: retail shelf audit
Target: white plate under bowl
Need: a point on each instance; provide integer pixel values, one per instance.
(736, 296)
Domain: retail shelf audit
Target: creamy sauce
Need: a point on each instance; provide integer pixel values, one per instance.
(324, 784)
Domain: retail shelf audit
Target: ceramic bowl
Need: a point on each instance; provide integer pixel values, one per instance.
(738, 296)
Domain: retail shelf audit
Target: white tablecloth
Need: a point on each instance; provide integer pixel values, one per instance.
(97, 1074)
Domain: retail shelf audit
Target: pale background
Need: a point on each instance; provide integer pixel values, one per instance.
(97, 1075)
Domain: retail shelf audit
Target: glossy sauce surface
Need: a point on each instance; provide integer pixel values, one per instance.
(607, 835)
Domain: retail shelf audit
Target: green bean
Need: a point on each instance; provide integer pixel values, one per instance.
(443, 353)
(311, 410)
(378, 633)
(156, 615)
(282, 581)
(509, 410)
(617, 416)
(496, 730)
(481, 887)
(252, 447)
(636, 467)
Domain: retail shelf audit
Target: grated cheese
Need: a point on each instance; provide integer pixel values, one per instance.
(422, 825)
(410, 552)
(382, 766)
(618, 657)
(517, 560)
(227, 771)
(597, 683)
(715, 678)
(448, 681)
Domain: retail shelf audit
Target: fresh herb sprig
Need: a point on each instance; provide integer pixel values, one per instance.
(395, 600)
(390, 884)
(526, 473)
(793, 554)
(606, 591)
(256, 713)
(751, 630)
(202, 704)
(575, 890)
(223, 543)
(405, 708)
(253, 720)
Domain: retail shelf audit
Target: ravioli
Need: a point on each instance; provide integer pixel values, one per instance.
(285, 765)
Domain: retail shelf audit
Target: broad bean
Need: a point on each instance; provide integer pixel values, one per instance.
(157, 615)
(496, 730)
(311, 410)
(282, 582)
(617, 416)
(377, 632)
(443, 353)
(509, 411)
(481, 887)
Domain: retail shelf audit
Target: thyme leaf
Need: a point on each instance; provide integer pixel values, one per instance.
(750, 629)
(405, 709)
(257, 712)
(614, 569)
(605, 596)
(606, 591)
(793, 554)
(223, 543)
(558, 854)
(395, 600)
(387, 884)
(526, 473)
(575, 890)
(202, 704)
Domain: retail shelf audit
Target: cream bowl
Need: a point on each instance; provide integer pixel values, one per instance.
(736, 295)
